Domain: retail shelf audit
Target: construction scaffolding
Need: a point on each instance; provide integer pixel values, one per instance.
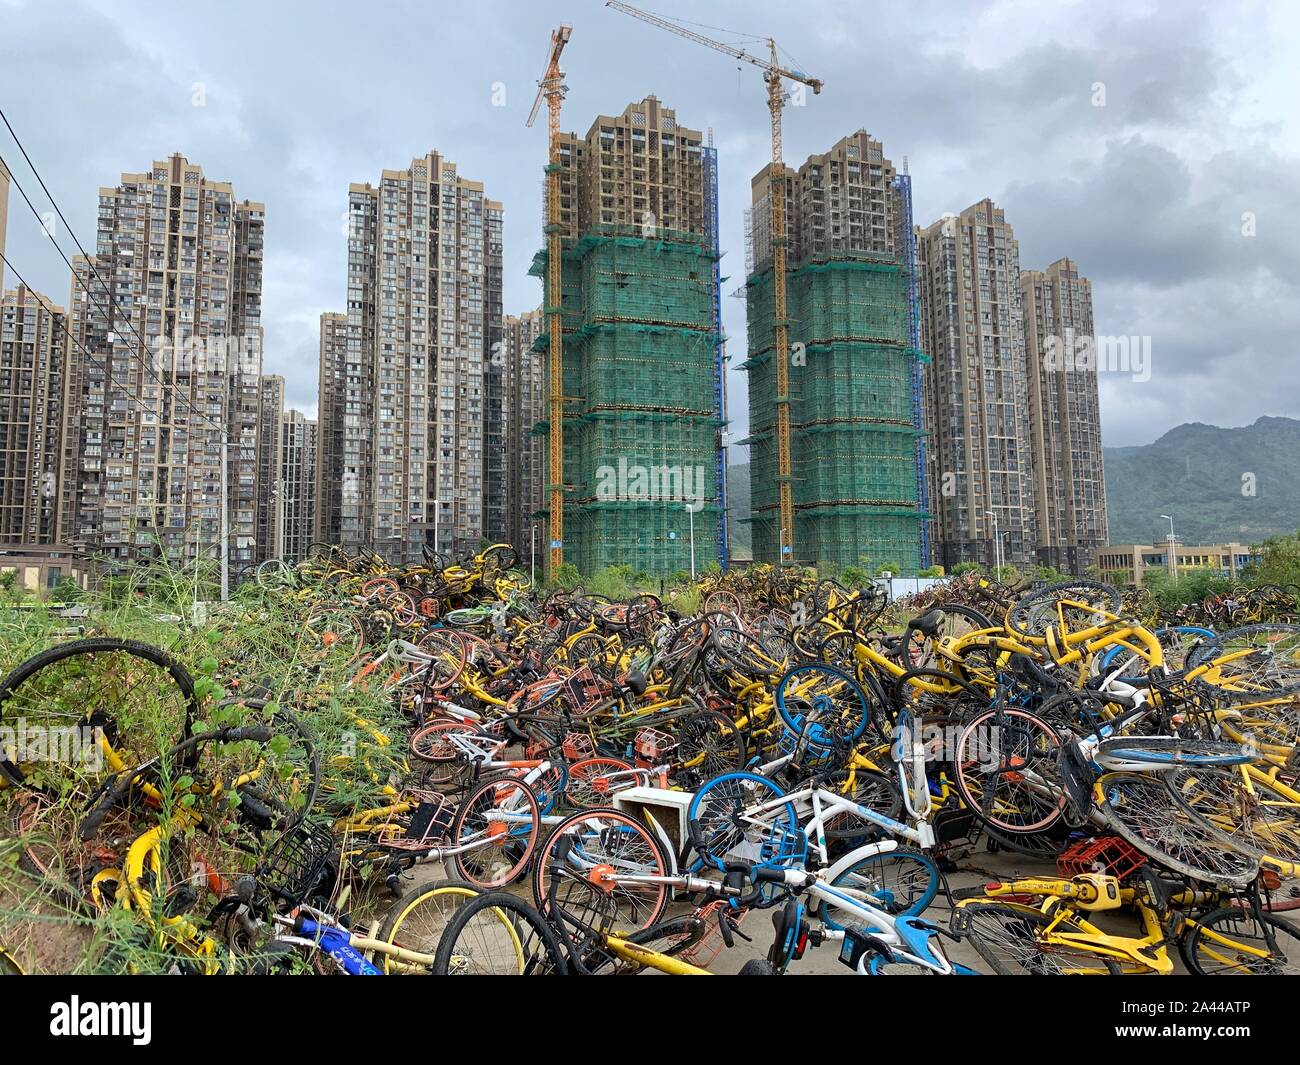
(641, 403)
(855, 414)
(907, 244)
(720, 369)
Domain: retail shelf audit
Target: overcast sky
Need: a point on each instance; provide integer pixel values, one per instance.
(1196, 144)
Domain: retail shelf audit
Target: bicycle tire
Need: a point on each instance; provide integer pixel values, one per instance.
(1274, 677)
(1022, 739)
(1266, 827)
(607, 837)
(442, 897)
(527, 938)
(512, 842)
(868, 878)
(1005, 935)
(84, 706)
(1199, 947)
(1142, 809)
(712, 817)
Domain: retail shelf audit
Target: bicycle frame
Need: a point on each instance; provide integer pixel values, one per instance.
(318, 931)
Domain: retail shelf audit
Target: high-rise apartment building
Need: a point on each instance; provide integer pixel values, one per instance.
(854, 363)
(642, 344)
(33, 353)
(297, 499)
(164, 370)
(1064, 419)
(333, 408)
(976, 390)
(270, 422)
(525, 388)
(424, 314)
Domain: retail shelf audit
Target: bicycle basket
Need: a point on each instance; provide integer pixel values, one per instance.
(784, 847)
(578, 746)
(1107, 854)
(653, 746)
(301, 864)
(423, 825)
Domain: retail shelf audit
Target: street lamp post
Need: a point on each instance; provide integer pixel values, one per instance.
(997, 544)
(533, 554)
(280, 512)
(437, 505)
(1173, 554)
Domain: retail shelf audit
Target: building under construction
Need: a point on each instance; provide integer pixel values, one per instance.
(642, 352)
(857, 451)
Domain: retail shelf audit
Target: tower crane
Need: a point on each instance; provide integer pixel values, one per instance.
(551, 87)
(773, 73)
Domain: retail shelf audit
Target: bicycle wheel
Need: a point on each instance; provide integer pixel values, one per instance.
(433, 745)
(418, 919)
(720, 828)
(449, 654)
(1235, 941)
(1142, 809)
(330, 634)
(823, 703)
(593, 780)
(107, 700)
(498, 934)
(1014, 939)
(598, 841)
(276, 780)
(1006, 771)
(1258, 817)
(495, 832)
(900, 882)
(708, 743)
(1073, 605)
(877, 792)
(1251, 662)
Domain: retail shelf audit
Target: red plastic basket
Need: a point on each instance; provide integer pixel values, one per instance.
(653, 745)
(1105, 854)
(577, 746)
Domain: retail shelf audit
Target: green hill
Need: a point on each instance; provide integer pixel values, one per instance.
(1203, 476)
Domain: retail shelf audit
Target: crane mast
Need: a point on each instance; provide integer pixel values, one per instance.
(552, 88)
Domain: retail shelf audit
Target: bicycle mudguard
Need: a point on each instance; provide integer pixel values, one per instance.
(916, 935)
(1078, 775)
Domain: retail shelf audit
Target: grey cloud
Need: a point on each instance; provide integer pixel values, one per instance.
(305, 98)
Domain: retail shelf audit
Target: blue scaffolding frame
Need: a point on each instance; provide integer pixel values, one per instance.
(903, 183)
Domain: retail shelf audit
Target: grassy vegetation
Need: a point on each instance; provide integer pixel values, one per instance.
(230, 649)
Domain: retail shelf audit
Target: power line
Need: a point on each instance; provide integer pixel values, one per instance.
(72, 336)
(90, 262)
(111, 311)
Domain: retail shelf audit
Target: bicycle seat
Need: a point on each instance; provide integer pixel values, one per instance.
(927, 624)
(1160, 891)
(636, 682)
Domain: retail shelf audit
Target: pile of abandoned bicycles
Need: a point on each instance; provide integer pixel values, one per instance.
(449, 771)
